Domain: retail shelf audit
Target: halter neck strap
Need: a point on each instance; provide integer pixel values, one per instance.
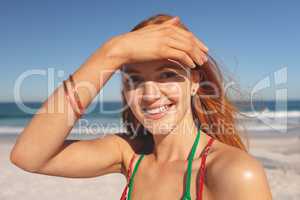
(132, 176)
(187, 193)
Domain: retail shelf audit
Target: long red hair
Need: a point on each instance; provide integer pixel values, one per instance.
(210, 106)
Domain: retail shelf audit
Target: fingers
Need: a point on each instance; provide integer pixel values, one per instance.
(189, 42)
(188, 48)
(173, 20)
(189, 34)
(180, 56)
(182, 42)
(185, 33)
(193, 37)
(155, 27)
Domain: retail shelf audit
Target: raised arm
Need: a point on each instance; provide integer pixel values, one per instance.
(42, 148)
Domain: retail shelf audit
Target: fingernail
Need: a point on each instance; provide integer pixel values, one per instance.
(205, 58)
(199, 61)
(174, 18)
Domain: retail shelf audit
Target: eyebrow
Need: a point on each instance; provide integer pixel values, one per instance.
(163, 66)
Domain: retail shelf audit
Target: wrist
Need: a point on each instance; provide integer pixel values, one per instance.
(109, 60)
(100, 62)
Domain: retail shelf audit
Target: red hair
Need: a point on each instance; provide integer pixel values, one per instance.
(210, 106)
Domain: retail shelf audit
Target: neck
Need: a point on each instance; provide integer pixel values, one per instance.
(177, 144)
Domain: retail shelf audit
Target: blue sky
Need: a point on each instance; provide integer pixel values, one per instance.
(251, 39)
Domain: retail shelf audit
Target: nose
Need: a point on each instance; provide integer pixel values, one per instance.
(151, 92)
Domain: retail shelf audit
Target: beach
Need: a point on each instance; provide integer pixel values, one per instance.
(17, 184)
(150, 67)
(279, 154)
(280, 157)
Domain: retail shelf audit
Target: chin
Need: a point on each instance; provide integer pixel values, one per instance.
(164, 124)
(160, 129)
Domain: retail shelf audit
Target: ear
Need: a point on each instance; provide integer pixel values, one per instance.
(195, 82)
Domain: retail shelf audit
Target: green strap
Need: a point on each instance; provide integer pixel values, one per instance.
(132, 176)
(187, 194)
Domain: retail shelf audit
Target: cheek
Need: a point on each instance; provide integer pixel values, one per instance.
(180, 94)
(176, 91)
(132, 98)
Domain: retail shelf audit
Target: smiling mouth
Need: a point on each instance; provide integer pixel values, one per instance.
(157, 112)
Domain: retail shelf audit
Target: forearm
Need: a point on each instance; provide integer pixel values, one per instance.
(44, 136)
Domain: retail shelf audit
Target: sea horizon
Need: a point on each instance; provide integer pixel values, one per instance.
(259, 116)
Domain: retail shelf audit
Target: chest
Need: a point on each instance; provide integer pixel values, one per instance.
(167, 182)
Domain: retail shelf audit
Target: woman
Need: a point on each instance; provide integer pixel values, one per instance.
(182, 141)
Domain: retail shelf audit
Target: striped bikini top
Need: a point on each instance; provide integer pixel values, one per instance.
(203, 156)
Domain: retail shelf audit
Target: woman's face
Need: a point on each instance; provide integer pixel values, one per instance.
(159, 93)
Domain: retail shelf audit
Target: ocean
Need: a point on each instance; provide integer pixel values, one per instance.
(280, 117)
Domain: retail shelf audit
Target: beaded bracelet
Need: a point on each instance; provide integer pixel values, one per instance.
(71, 100)
(79, 104)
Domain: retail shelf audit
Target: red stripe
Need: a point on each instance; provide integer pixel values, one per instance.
(202, 168)
(130, 167)
(201, 176)
(124, 194)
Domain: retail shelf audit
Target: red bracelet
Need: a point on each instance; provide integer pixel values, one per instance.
(79, 104)
(71, 100)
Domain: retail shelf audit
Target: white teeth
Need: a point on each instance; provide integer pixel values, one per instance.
(156, 110)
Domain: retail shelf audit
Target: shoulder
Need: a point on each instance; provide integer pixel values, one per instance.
(235, 174)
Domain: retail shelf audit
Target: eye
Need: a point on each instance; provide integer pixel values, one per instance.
(133, 80)
(168, 74)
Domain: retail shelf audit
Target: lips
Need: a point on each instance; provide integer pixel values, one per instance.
(157, 112)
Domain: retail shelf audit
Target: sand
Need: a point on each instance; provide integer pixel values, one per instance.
(281, 159)
(279, 155)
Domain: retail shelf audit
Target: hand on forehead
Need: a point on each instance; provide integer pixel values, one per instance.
(154, 65)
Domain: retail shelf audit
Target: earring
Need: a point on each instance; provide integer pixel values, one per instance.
(193, 92)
